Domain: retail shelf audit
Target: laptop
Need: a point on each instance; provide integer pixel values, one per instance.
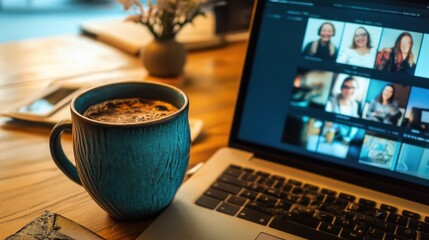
(330, 134)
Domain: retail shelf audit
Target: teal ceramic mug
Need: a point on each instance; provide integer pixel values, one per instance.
(132, 170)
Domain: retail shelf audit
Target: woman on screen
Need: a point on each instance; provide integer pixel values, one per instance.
(360, 53)
(344, 103)
(384, 108)
(323, 47)
(399, 58)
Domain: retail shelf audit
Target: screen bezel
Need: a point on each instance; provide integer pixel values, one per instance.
(394, 186)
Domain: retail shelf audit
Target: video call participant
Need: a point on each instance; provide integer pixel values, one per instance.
(360, 52)
(323, 47)
(384, 108)
(399, 58)
(345, 103)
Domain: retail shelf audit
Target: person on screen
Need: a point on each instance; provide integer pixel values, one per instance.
(360, 53)
(399, 58)
(323, 47)
(384, 108)
(344, 103)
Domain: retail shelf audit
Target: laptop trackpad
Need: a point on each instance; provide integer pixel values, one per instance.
(265, 236)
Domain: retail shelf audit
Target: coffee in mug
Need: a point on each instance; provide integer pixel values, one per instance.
(129, 110)
(132, 169)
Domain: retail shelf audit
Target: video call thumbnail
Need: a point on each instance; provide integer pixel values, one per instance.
(347, 95)
(325, 137)
(422, 70)
(359, 45)
(322, 38)
(417, 112)
(414, 160)
(311, 88)
(379, 152)
(386, 102)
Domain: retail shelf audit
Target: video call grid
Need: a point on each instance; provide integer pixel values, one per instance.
(396, 145)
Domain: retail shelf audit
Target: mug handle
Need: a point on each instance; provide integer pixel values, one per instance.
(57, 152)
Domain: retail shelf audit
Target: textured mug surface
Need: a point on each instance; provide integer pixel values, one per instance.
(132, 170)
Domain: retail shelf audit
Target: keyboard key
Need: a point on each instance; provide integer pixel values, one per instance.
(388, 208)
(289, 197)
(333, 209)
(207, 202)
(278, 185)
(232, 180)
(324, 217)
(262, 174)
(239, 201)
(268, 182)
(249, 194)
(397, 219)
(347, 197)
(249, 177)
(375, 233)
(267, 200)
(233, 166)
(257, 206)
(329, 228)
(272, 192)
(255, 187)
(410, 214)
(358, 207)
(380, 214)
(284, 205)
(221, 195)
(311, 187)
(367, 202)
(352, 234)
(254, 216)
(345, 222)
(336, 202)
(406, 232)
(294, 182)
(248, 170)
(418, 225)
(228, 208)
(328, 192)
(226, 187)
(297, 190)
(301, 210)
(233, 172)
(287, 187)
(385, 226)
(287, 226)
(278, 178)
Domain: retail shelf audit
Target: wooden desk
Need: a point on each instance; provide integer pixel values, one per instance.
(30, 183)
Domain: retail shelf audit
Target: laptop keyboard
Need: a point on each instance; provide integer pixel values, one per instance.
(307, 210)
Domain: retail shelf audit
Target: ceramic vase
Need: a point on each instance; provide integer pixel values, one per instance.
(164, 58)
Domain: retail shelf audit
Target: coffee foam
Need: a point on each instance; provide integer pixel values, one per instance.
(129, 110)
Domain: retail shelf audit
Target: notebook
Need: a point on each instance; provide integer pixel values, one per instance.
(330, 134)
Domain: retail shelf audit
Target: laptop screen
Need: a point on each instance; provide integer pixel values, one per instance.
(344, 84)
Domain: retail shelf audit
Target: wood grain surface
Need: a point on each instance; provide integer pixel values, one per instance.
(30, 183)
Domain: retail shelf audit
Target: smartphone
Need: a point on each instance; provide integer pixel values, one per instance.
(48, 102)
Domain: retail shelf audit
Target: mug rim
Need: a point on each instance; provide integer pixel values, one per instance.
(130, 124)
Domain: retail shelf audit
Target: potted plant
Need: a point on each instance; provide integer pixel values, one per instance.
(164, 56)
